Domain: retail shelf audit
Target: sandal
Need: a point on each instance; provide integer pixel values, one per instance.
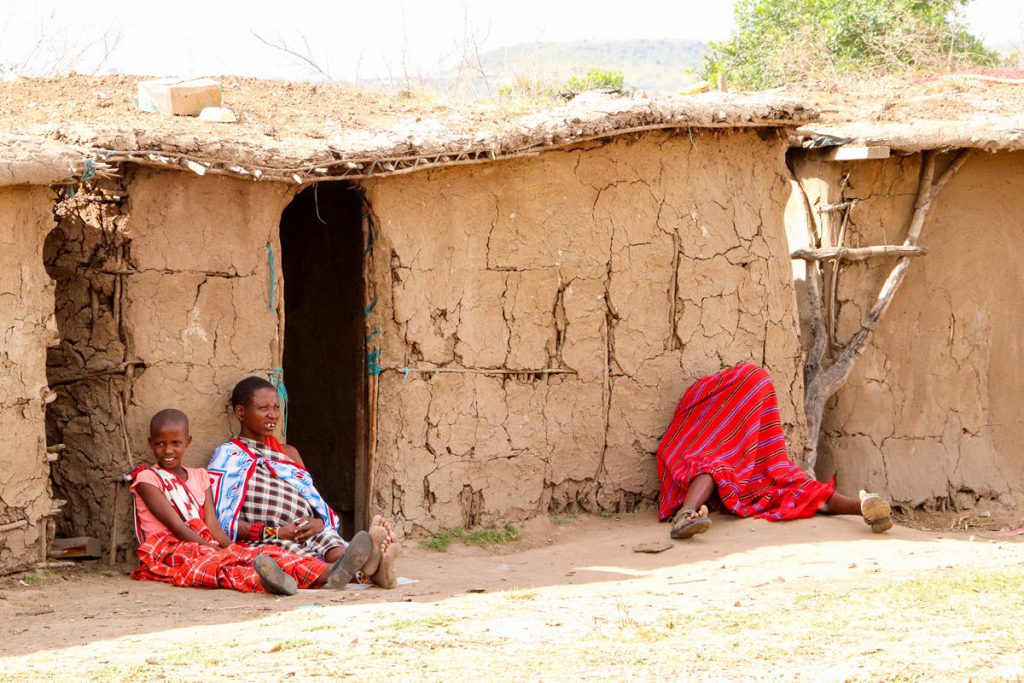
(876, 511)
(357, 552)
(686, 523)
(273, 577)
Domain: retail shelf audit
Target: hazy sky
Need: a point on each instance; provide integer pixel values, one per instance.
(349, 39)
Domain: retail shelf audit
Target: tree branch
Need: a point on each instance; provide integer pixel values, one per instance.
(304, 58)
(857, 253)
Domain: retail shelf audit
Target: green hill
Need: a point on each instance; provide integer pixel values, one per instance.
(659, 67)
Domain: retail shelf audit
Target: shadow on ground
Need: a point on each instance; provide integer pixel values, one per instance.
(88, 604)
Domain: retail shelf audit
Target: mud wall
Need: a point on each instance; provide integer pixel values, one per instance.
(572, 297)
(930, 414)
(26, 329)
(87, 255)
(186, 296)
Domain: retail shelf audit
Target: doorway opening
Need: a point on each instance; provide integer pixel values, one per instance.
(324, 343)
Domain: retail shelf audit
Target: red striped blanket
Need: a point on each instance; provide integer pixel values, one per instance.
(727, 425)
(162, 557)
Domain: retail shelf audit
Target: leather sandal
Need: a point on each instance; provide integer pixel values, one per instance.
(686, 524)
(876, 511)
(273, 577)
(357, 552)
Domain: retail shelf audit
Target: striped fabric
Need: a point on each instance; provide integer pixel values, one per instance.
(162, 557)
(727, 425)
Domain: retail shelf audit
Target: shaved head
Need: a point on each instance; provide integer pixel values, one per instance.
(168, 417)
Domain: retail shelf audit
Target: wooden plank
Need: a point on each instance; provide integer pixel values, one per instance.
(857, 152)
(79, 546)
(858, 253)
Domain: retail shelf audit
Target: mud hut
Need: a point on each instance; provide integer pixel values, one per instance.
(930, 412)
(477, 314)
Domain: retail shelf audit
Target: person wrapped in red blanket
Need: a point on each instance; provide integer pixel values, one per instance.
(181, 542)
(726, 439)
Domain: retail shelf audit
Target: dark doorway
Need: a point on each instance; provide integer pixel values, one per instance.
(324, 341)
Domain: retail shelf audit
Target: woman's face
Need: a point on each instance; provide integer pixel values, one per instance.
(260, 416)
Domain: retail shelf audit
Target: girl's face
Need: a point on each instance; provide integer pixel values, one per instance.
(259, 418)
(169, 443)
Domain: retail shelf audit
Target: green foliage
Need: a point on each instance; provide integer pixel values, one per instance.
(481, 538)
(779, 41)
(596, 79)
(525, 87)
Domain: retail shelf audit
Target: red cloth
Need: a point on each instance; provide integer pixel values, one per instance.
(727, 425)
(162, 557)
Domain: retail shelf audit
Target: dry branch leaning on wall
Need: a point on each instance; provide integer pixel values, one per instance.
(823, 379)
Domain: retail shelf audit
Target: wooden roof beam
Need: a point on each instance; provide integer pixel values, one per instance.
(857, 152)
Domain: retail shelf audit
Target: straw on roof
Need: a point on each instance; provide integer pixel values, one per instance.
(966, 110)
(306, 132)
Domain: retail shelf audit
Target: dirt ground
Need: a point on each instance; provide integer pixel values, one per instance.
(818, 599)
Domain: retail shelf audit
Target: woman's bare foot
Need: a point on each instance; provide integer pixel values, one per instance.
(385, 577)
(378, 520)
(380, 543)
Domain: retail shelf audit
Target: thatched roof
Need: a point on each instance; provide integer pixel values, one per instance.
(992, 133)
(304, 132)
(977, 111)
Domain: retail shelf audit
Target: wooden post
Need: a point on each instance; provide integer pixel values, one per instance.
(822, 382)
(113, 527)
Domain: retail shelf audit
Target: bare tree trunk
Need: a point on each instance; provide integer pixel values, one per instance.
(823, 380)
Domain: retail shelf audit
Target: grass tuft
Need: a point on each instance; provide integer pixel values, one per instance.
(424, 622)
(439, 542)
(518, 594)
(481, 538)
(559, 520)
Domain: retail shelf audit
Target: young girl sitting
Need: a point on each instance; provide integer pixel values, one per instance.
(181, 542)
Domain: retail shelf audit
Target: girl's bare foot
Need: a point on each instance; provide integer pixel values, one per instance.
(385, 577)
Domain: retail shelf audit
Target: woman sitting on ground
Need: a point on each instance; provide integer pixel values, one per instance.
(265, 495)
(726, 440)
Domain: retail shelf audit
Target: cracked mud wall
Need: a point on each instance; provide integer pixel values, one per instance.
(629, 268)
(87, 255)
(185, 292)
(931, 412)
(26, 329)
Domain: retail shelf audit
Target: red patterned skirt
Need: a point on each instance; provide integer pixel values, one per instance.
(727, 425)
(162, 557)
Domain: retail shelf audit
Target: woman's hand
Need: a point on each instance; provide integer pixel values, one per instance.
(288, 531)
(307, 527)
